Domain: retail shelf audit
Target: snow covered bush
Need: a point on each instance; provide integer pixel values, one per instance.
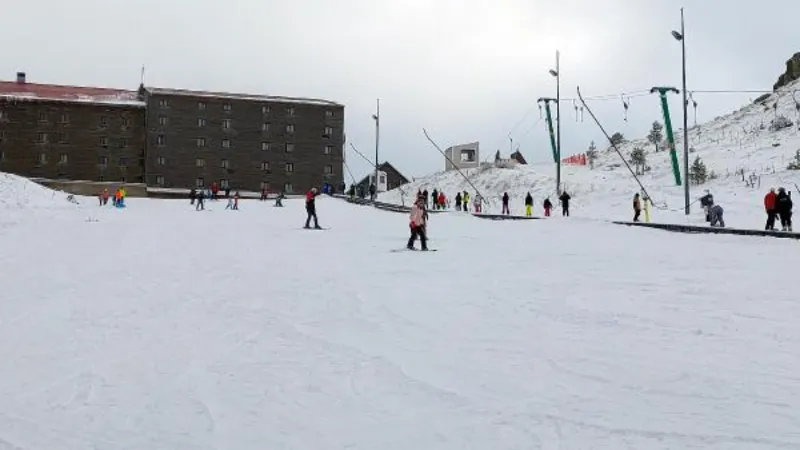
(795, 164)
(780, 123)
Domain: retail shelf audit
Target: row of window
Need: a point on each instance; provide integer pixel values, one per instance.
(265, 166)
(62, 138)
(200, 183)
(265, 109)
(226, 125)
(102, 121)
(64, 159)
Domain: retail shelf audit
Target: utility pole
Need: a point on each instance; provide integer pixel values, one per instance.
(377, 117)
(557, 73)
(681, 36)
(662, 92)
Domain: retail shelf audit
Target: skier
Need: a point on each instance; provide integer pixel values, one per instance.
(715, 215)
(425, 197)
(311, 208)
(506, 211)
(529, 205)
(783, 204)
(441, 200)
(264, 194)
(417, 223)
(477, 203)
(372, 191)
(707, 201)
(458, 201)
(465, 201)
(637, 207)
(435, 199)
(564, 198)
(230, 204)
(547, 207)
(200, 200)
(214, 191)
(192, 196)
(279, 199)
(770, 203)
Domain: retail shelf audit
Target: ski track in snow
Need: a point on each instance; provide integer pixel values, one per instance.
(162, 328)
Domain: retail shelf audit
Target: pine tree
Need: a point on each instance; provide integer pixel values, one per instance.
(617, 138)
(591, 155)
(639, 159)
(795, 164)
(698, 173)
(656, 135)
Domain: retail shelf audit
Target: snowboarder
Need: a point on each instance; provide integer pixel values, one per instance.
(783, 204)
(417, 223)
(637, 207)
(707, 201)
(311, 208)
(715, 212)
(547, 207)
(529, 205)
(770, 203)
(505, 211)
(564, 199)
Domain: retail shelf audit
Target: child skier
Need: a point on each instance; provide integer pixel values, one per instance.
(547, 207)
(417, 224)
(506, 211)
(529, 205)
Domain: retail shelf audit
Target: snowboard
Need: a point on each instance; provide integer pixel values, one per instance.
(315, 229)
(397, 250)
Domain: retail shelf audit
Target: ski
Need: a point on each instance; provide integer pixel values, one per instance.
(315, 229)
(610, 141)
(398, 250)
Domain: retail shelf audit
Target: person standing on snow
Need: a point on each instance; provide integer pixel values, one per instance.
(477, 203)
(637, 207)
(547, 207)
(236, 200)
(425, 197)
(564, 198)
(715, 214)
(529, 205)
(770, 205)
(200, 200)
(783, 204)
(435, 199)
(311, 208)
(441, 200)
(458, 201)
(192, 196)
(417, 223)
(505, 211)
(465, 201)
(707, 201)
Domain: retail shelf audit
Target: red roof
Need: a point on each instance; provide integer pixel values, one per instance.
(34, 91)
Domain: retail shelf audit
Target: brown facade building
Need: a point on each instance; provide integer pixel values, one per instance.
(74, 133)
(170, 138)
(394, 178)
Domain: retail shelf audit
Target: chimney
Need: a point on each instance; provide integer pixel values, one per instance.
(20, 77)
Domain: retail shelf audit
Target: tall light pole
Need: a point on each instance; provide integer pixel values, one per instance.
(557, 73)
(681, 36)
(377, 117)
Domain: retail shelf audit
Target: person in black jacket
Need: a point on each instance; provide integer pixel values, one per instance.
(529, 205)
(707, 201)
(565, 198)
(505, 199)
(783, 204)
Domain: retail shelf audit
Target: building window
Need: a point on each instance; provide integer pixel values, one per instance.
(289, 167)
(161, 140)
(163, 103)
(328, 169)
(226, 124)
(2, 156)
(289, 148)
(102, 161)
(42, 116)
(290, 111)
(328, 149)
(62, 138)
(62, 159)
(162, 161)
(329, 113)
(264, 166)
(265, 126)
(104, 142)
(224, 184)
(201, 123)
(42, 158)
(226, 143)
(42, 138)
(123, 162)
(201, 142)
(64, 118)
(126, 122)
(202, 106)
(103, 121)
(160, 180)
(2, 136)
(265, 109)
(226, 107)
(162, 120)
(287, 188)
(265, 146)
(123, 142)
(328, 131)
(200, 162)
(290, 128)
(224, 164)
(199, 182)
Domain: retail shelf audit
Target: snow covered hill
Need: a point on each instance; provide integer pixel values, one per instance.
(736, 147)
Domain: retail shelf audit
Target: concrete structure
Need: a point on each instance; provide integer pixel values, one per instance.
(465, 156)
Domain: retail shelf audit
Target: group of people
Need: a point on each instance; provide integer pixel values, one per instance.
(438, 201)
(198, 197)
(778, 205)
(118, 200)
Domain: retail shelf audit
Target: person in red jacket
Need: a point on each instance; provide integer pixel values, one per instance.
(770, 206)
(311, 208)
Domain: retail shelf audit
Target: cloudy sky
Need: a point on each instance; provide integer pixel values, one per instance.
(465, 69)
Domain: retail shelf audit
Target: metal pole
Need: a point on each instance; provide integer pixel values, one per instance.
(558, 123)
(685, 123)
(377, 140)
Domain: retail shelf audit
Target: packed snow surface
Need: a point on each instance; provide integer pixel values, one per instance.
(158, 327)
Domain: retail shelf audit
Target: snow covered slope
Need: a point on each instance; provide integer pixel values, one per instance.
(729, 145)
(161, 328)
(22, 199)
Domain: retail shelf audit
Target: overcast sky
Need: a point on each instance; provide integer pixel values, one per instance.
(466, 70)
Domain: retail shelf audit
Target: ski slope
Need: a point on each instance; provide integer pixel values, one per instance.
(728, 145)
(163, 328)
